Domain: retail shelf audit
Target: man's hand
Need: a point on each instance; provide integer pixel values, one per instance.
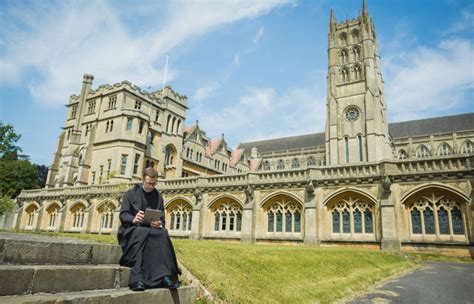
(156, 224)
(138, 219)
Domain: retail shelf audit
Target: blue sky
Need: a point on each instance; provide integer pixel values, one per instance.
(251, 69)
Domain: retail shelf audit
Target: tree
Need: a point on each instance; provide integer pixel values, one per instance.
(6, 204)
(42, 175)
(16, 175)
(8, 142)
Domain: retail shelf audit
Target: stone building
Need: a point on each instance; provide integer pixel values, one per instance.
(400, 186)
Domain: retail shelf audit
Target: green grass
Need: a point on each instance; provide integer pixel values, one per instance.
(264, 273)
(257, 273)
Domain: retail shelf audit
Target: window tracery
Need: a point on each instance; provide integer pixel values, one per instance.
(228, 217)
(467, 147)
(77, 212)
(436, 215)
(444, 149)
(181, 217)
(352, 216)
(53, 213)
(284, 217)
(422, 151)
(280, 164)
(106, 212)
(295, 163)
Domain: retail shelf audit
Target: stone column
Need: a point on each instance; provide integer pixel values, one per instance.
(196, 233)
(390, 238)
(248, 223)
(310, 216)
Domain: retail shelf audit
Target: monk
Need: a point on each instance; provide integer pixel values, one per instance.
(147, 249)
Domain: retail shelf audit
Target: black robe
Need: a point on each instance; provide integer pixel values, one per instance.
(147, 251)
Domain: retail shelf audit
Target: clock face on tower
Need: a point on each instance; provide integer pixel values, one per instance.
(352, 113)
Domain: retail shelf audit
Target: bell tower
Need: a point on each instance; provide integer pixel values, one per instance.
(356, 119)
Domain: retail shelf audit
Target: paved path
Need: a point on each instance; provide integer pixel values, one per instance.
(435, 282)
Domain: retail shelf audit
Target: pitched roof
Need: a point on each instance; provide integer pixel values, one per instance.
(446, 124)
(212, 146)
(235, 156)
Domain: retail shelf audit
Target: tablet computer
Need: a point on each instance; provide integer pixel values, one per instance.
(152, 215)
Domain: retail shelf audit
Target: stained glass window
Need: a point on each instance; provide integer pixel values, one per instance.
(368, 221)
(456, 215)
(172, 221)
(270, 221)
(416, 221)
(336, 222)
(239, 221)
(178, 221)
(429, 221)
(443, 221)
(190, 221)
(224, 221)
(185, 221)
(231, 221)
(216, 221)
(357, 221)
(297, 216)
(346, 225)
(288, 221)
(279, 221)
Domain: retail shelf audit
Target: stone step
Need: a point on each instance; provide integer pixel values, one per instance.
(20, 248)
(183, 295)
(31, 279)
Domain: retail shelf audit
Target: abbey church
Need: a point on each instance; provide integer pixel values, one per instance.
(401, 186)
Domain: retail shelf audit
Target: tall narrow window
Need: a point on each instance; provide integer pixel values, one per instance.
(141, 125)
(135, 163)
(297, 216)
(279, 221)
(359, 138)
(429, 221)
(346, 148)
(157, 115)
(336, 222)
(368, 221)
(458, 227)
(357, 221)
(109, 167)
(101, 173)
(443, 221)
(129, 124)
(346, 224)
(270, 221)
(123, 164)
(73, 112)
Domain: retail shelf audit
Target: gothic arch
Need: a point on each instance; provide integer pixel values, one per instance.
(105, 202)
(29, 206)
(79, 202)
(270, 196)
(435, 186)
(52, 203)
(176, 199)
(348, 190)
(218, 198)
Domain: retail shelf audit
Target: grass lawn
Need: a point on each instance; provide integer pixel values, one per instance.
(262, 273)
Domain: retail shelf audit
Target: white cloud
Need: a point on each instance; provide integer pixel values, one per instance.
(258, 35)
(263, 113)
(205, 92)
(430, 81)
(60, 41)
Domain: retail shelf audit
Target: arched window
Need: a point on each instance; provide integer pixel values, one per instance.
(361, 147)
(178, 125)
(311, 161)
(346, 148)
(355, 36)
(181, 215)
(436, 214)
(467, 147)
(355, 214)
(343, 39)
(444, 149)
(343, 56)
(422, 151)
(280, 164)
(173, 121)
(106, 215)
(356, 53)
(31, 215)
(357, 72)
(53, 214)
(229, 215)
(168, 120)
(295, 163)
(284, 217)
(345, 74)
(402, 154)
(169, 155)
(77, 212)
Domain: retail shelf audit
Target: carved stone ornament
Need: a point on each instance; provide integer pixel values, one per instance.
(198, 195)
(386, 183)
(249, 194)
(352, 113)
(310, 187)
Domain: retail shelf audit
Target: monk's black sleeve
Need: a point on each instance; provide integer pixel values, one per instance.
(126, 215)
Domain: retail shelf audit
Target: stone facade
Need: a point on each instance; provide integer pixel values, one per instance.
(401, 186)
